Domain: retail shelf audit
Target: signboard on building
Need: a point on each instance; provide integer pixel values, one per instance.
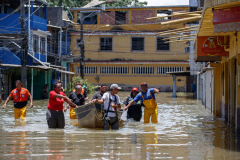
(211, 46)
(225, 20)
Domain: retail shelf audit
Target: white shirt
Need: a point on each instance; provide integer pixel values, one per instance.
(106, 103)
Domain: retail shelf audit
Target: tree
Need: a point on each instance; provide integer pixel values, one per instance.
(68, 4)
(126, 3)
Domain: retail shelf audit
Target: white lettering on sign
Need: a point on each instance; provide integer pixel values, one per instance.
(225, 27)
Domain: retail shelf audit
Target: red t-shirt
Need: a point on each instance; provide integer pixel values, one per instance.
(55, 103)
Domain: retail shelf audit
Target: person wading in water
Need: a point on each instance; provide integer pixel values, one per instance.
(55, 115)
(135, 111)
(20, 96)
(84, 93)
(78, 99)
(149, 101)
(98, 95)
(111, 103)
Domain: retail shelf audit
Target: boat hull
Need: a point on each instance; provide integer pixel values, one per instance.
(87, 118)
(90, 115)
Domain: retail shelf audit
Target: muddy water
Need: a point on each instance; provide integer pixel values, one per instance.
(186, 130)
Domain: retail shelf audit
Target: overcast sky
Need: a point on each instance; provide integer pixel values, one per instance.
(166, 2)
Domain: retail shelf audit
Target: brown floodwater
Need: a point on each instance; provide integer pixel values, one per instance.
(186, 130)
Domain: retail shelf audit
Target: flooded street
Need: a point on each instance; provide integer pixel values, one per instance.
(186, 130)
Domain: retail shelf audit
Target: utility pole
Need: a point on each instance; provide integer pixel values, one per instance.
(24, 47)
(1, 77)
(82, 47)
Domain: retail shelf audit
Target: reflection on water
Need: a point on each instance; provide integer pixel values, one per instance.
(186, 130)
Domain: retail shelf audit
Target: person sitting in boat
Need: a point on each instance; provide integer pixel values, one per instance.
(78, 99)
(55, 115)
(98, 95)
(149, 101)
(84, 93)
(111, 103)
(135, 111)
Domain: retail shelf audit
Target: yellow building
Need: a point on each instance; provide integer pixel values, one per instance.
(122, 46)
(220, 23)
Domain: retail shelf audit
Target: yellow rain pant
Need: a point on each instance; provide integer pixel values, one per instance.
(72, 113)
(151, 110)
(20, 113)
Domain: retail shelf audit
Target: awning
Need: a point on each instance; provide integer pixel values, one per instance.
(66, 72)
(208, 58)
(37, 67)
(182, 73)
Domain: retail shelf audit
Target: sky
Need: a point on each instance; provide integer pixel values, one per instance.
(166, 2)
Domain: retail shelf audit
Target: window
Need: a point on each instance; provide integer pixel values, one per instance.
(90, 69)
(113, 70)
(161, 45)
(105, 44)
(87, 69)
(35, 43)
(42, 45)
(161, 13)
(142, 70)
(164, 70)
(89, 18)
(78, 42)
(137, 44)
(120, 17)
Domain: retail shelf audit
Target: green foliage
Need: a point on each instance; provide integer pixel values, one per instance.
(71, 85)
(127, 3)
(67, 4)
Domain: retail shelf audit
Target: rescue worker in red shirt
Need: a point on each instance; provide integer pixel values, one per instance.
(20, 96)
(84, 93)
(55, 115)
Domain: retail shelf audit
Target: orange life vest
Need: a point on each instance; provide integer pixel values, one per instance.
(20, 97)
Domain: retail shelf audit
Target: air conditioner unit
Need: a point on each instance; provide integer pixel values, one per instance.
(187, 49)
(200, 3)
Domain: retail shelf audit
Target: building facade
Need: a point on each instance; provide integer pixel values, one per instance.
(122, 46)
(35, 35)
(217, 43)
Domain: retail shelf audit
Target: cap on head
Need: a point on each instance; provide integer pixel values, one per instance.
(144, 83)
(113, 86)
(135, 89)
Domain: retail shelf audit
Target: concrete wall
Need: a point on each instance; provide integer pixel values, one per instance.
(122, 49)
(162, 81)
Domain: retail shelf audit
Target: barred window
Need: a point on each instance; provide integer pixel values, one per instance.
(106, 44)
(90, 69)
(161, 45)
(164, 70)
(87, 69)
(142, 70)
(137, 44)
(113, 70)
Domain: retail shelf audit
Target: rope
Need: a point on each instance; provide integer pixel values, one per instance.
(97, 116)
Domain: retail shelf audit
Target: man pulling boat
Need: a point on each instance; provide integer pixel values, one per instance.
(111, 103)
(78, 99)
